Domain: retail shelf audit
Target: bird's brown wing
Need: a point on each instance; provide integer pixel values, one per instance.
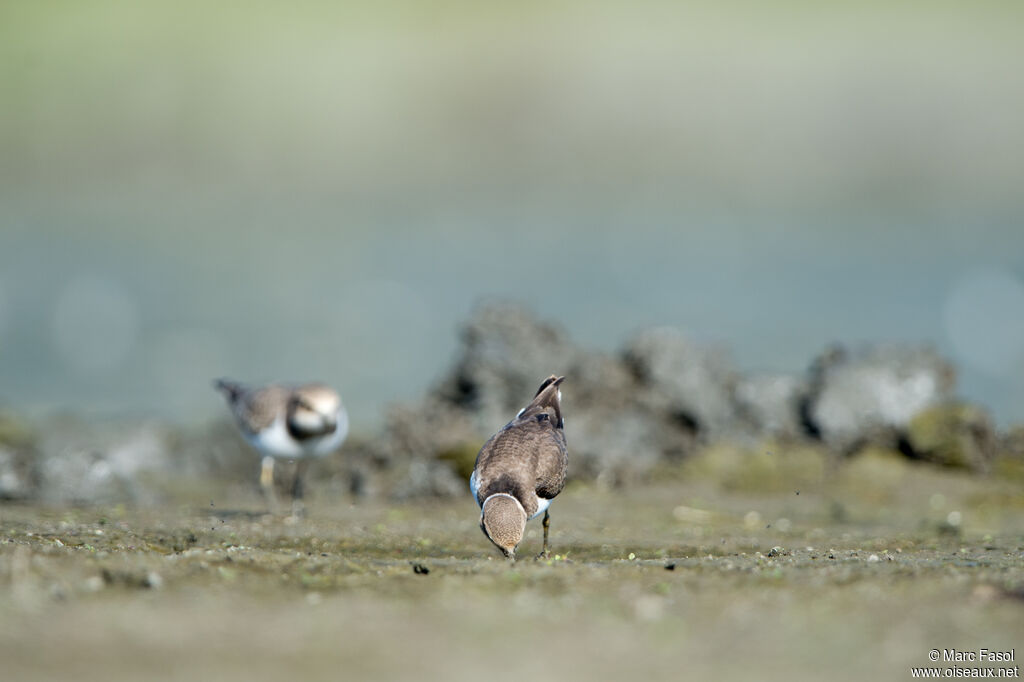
(552, 464)
(258, 408)
(527, 456)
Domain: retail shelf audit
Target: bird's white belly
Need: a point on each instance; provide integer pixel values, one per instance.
(275, 441)
(474, 487)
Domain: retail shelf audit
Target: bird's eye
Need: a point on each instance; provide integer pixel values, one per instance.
(542, 416)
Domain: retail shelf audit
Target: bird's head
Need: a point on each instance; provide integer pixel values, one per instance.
(503, 521)
(314, 408)
(547, 403)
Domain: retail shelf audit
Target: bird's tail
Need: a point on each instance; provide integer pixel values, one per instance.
(231, 389)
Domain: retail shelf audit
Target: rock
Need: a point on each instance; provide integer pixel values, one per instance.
(19, 460)
(871, 396)
(505, 353)
(430, 448)
(1012, 443)
(89, 463)
(691, 383)
(661, 399)
(613, 435)
(357, 470)
(1009, 460)
(952, 434)
(217, 450)
(17, 478)
(770, 404)
(619, 446)
(426, 478)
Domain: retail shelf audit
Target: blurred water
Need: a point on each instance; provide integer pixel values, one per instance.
(324, 191)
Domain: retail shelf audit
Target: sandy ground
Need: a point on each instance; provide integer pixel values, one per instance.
(702, 575)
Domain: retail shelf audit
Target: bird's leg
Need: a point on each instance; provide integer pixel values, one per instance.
(298, 488)
(267, 484)
(547, 524)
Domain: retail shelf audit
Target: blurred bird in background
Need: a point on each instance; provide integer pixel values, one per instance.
(291, 423)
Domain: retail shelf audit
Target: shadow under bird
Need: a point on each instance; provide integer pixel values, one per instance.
(521, 469)
(287, 422)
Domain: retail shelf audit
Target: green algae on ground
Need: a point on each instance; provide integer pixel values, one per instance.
(954, 434)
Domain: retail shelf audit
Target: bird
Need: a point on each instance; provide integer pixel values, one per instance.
(520, 469)
(287, 422)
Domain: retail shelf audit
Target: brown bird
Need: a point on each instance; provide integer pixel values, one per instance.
(292, 423)
(521, 469)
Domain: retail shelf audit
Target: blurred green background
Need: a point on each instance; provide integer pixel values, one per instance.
(322, 190)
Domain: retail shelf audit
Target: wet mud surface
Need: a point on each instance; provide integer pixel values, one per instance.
(696, 575)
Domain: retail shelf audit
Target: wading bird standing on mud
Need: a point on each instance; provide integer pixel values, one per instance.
(291, 423)
(521, 469)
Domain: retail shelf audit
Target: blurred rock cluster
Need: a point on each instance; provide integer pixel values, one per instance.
(661, 398)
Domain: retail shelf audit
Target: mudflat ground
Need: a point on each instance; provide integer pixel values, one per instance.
(714, 571)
